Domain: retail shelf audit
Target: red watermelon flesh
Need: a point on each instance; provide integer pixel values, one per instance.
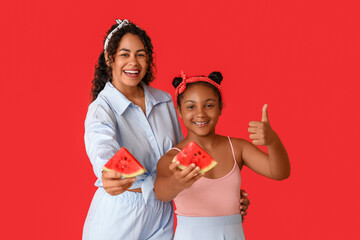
(125, 163)
(193, 153)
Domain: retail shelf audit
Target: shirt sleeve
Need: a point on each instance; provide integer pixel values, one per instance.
(147, 188)
(100, 137)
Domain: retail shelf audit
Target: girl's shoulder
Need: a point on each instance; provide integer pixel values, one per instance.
(165, 161)
(172, 152)
(239, 141)
(239, 144)
(181, 144)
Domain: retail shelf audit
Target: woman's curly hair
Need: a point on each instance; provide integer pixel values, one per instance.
(103, 72)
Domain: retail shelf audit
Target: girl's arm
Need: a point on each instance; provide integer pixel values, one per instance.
(170, 180)
(274, 165)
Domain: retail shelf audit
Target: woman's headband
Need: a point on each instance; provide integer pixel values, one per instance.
(182, 86)
(120, 23)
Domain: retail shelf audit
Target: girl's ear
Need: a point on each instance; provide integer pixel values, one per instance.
(178, 109)
(221, 107)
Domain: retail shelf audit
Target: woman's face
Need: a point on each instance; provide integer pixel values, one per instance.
(199, 109)
(130, 62)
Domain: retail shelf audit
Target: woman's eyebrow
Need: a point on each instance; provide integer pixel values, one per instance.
(127, 50)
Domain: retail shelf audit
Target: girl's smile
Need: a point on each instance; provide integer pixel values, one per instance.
(201, 124)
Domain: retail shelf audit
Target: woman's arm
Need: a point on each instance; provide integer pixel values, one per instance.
(101, 145)
(274, 165)
(170, 180)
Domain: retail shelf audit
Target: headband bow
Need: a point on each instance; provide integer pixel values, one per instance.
(120, 23)
(182, 86)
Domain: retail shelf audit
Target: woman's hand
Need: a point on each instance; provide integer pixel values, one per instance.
(114, 184)
(244, 203)
(187, 176)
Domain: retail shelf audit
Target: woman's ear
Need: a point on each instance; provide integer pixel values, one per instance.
(107, 58)
(178, 109)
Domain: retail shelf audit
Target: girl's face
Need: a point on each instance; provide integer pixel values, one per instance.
(199, 109)
(130, 62)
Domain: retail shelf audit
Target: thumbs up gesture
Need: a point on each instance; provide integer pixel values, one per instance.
(260, 132)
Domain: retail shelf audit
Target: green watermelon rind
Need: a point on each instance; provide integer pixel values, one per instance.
(108, 169)
(208, 168)
(141, 171)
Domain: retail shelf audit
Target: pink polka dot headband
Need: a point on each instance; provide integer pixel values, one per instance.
(182, 86)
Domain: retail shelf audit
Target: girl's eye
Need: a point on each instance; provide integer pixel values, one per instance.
(124, 55)
(141, 55)
(190, 107)
(209, 105)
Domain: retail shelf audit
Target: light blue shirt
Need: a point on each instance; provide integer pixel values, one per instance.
(113, 122)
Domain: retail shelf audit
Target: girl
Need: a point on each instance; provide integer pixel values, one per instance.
(197, 196)
(126, 112)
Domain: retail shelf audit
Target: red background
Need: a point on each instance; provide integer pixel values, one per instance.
(300, 57)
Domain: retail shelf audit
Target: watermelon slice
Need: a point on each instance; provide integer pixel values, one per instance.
(125, 163)
(193, 153)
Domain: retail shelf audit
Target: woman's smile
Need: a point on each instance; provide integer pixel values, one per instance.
(133, 73)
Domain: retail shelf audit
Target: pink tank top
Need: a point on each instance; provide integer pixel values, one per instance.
(211, 197)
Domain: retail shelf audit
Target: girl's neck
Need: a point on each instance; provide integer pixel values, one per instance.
(207, 142)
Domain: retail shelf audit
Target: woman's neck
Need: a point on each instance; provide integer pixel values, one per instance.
(135, 94)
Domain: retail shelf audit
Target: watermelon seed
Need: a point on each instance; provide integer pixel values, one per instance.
(199, 153)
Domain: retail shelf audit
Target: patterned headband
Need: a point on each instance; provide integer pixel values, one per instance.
(182, 86)
(120, 23)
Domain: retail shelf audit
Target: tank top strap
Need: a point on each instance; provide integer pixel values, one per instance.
(175, 148)
(232, 150)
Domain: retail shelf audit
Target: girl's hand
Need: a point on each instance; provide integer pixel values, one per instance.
(260, 132)
(114, 184)
(187, 176)
(244, 203)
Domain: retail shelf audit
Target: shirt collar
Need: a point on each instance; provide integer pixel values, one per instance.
(120, 103)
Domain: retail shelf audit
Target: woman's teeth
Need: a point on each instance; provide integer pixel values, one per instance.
(131, 72)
